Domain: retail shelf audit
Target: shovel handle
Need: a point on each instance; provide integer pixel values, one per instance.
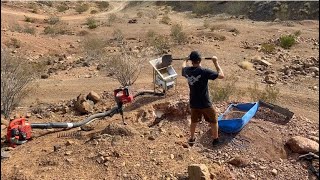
(187, 58)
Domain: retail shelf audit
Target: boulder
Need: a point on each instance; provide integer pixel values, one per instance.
(239, 162)
(93, 96)
(118, 129)
(82, 105)
(270, 79)
(302, 145)
(198, 172)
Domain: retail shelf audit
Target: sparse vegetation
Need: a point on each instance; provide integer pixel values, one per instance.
(219, 37)
(159, 42)
(93, 11)
(62, 7)
(246, 65)
(94, 47)
(269, 94)
(83, 33)
(178, 35)
(56, 29)
(297, 33)
(268, 48)
(92, 23)
(52, 20)
(16, 28)
(118, 36)
(201, 8)
(139, 14)
(102, 4)
(29, 19)
(47, 3)
(14, 42)
(234, 30)
(111, 19)
(16, 75)
(287, 41)
(29, 30)
(206, 24)
(80, 8)
(165, 19)
(124, 68)
(222, 90)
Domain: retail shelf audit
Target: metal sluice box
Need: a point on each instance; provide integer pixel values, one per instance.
(164, 75)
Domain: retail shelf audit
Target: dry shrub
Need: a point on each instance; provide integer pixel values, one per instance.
(112, 18)
(246, 65)
(222, 90)
(102, 4)
(177, 33)
(83, 33)
(125, 68)
(14, 42)
(118, 36)
(268, 48)
(94, 47)
(57, 29)
(62, 7)
(29, 30)
(139, 14)
(29, 19)
(80, 8)
(92, 23)
(159, 42)
(52, 20)
(165, 19)
(16, 74)
(269, 94)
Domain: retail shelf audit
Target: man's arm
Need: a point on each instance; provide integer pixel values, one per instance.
(184, 65)
(219, 70)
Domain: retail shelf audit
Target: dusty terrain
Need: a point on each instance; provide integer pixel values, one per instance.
(160, 151)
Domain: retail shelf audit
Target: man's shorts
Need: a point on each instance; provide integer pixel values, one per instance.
(209, 115)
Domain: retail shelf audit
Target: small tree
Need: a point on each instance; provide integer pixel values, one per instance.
(16, 75)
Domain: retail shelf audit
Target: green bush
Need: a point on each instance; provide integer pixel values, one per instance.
(92, 23)
(178, 35)
(62, 7)
(287, 41)
(80, 8)
(269, 94)
(268, 48)
(222, 90)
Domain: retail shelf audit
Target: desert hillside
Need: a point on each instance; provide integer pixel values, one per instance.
(74, 52)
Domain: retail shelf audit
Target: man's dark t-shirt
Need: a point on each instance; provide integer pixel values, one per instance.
(198, 83)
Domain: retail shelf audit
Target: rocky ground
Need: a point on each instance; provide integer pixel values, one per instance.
(153, 143)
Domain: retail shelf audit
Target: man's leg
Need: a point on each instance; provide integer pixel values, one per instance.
(211, 117)
(214, 129)
(193, 126)
(194, 120)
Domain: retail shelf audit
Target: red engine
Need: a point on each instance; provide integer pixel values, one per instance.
(19, 131)
(122, 95)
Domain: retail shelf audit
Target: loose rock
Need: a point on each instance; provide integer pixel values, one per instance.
(198, 171)
(300, 144)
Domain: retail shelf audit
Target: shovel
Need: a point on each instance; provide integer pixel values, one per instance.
(167, 60)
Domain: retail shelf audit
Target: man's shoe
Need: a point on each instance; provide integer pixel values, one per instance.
(191, 142)
(216, 142)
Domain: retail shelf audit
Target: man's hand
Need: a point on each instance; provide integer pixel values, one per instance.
(184, 64)
(214, 59)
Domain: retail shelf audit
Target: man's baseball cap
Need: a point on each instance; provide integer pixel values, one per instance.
(195, 56)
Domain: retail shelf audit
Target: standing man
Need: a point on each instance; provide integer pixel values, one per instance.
(200, 102)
